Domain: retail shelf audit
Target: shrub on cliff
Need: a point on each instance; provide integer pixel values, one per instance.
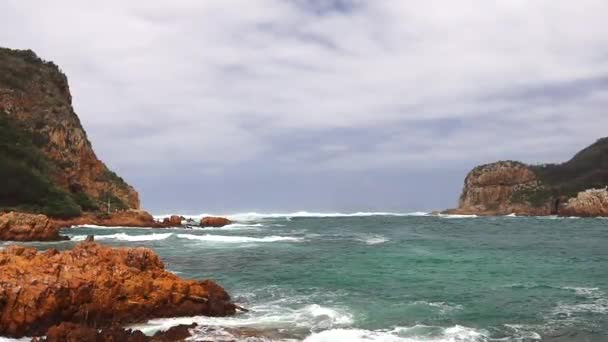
(24, 176)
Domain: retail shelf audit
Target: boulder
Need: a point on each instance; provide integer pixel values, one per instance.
(16, 226)
(211, 221)
(172, 221)
(98, 286)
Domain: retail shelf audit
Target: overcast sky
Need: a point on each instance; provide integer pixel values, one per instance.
(335, 105)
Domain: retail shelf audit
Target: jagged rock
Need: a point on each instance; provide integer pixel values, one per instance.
(27, 227)
(71, 332)
(211, 221)
(589, 203)
(97, 286)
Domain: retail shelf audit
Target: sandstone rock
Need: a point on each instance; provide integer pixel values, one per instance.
(589, 203)
(126, 218)
(175, 221)
(211, 221)
(71, 332)
(43, 106)
(490, 189)
(27, 227)
(96, 286)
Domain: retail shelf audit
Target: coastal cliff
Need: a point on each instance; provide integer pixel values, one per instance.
(574, 188)
(47, 163)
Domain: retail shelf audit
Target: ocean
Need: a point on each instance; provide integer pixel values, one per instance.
(390, 277)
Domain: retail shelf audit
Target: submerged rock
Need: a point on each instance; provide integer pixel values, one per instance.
(16, 226)
(211, 221)
(98, 286)
(71, 332)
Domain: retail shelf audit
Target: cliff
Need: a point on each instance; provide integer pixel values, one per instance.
(574, 188)
(47, 163)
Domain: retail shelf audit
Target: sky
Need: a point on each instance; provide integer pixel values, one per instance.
(226, 106)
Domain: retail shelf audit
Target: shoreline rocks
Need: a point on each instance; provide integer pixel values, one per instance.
(96, 286)
(213, 221)
(15, 226)
(127, 218)
(589, 203)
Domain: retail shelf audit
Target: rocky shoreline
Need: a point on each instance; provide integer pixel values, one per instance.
(96, 286)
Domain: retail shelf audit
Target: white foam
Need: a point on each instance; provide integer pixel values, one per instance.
(589, 292)
(125, 237)
(262, 317)
(236, 239)
(8, 339)
(93, 226)
(253, 216)
(450, 216)
(373, 239)
(417, 333)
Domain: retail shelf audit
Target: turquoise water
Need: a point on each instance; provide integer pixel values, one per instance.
(395, 278)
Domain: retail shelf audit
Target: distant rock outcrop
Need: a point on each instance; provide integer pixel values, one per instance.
(589, 203)
(47, 163)
(27, 227)
(569, 188)
(96, 286)
(211, 221)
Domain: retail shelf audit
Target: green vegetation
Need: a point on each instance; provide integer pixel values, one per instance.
(588, 169)
(24, 175)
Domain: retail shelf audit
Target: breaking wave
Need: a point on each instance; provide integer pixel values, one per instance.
(125, 237)
(252, 216)
(416, 333)
(236, 239)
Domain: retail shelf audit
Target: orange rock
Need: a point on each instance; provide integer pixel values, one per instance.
(211, 221)
(16, 226)
(173, 221)
(127, 218)
(98, 286)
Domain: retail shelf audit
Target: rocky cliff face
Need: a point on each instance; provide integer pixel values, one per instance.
(35, 97)
(508, 187)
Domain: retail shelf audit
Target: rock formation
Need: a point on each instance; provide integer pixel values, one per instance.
(567, 189)
(71, 332)
(173, 221)
(589, 203)
(211, 221)
(126, 218)
(27, 227)
(36, 106)
(97, 286)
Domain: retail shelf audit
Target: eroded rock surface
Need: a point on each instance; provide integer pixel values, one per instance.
(589, 203)
(16, 226)
(96, 286)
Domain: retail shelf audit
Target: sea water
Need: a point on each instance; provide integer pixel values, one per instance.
(390, 277)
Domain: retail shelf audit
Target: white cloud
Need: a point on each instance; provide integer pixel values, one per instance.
(217, 81)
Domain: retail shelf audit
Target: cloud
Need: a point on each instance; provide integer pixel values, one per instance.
(323, 86)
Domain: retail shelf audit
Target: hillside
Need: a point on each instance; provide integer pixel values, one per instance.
(47, 163)
(574, 187)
